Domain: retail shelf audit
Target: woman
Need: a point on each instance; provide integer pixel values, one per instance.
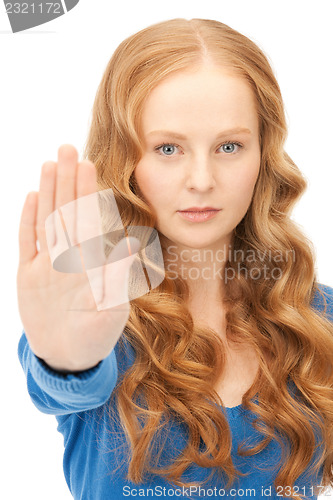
(188, 130)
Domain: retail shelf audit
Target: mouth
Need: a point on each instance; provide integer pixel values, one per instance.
(198, 215)
(196, 211)
(199, 209)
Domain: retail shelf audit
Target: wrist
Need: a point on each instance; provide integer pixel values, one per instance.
(65, 370)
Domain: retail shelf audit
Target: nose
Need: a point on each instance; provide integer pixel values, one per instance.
(200, 173)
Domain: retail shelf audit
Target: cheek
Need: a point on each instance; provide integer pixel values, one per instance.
(151, 184)
(143, 179)
(249, 181)
(241, 186)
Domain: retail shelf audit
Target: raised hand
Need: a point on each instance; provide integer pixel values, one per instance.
(67, 317)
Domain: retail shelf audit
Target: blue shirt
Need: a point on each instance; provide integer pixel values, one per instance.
(96, 448)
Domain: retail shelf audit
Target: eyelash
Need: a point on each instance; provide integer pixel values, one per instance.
(177, 146)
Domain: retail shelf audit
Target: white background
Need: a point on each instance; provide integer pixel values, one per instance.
(49, 77)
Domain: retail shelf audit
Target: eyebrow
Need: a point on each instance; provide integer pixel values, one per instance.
(176, 135)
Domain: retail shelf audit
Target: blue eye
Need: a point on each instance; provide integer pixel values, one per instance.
(228, 148)
(167, 149)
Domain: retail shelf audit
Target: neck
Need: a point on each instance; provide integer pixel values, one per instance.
(202, 268)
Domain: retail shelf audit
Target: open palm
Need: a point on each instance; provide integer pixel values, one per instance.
(66, 316)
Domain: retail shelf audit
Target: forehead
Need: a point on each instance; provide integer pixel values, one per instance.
(207, 97)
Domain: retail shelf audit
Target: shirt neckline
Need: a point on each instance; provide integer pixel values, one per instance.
(236, 411)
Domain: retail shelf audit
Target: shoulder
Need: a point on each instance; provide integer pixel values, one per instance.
(323, 298)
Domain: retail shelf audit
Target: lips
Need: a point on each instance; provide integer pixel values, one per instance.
(198, 215)
(198, 209)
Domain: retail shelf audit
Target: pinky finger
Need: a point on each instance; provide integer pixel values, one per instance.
(27, 230)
